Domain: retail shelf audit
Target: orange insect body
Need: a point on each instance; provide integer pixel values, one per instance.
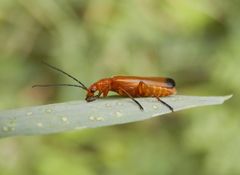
(131, 86)
(134, 86)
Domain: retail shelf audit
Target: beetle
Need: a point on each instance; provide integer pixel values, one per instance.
(129, 86)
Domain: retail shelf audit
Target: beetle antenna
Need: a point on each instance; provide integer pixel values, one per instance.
(59, 70)
(52, 85)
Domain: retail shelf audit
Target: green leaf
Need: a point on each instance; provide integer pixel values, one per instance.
(77, 115)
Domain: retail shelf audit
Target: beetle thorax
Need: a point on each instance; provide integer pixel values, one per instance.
(100, 86)
(103, 84)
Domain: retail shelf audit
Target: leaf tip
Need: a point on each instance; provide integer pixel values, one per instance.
(227, 97)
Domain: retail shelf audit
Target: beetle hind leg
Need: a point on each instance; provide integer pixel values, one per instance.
(165, 104)
(140, 90)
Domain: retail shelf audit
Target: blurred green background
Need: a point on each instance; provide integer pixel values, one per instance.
(195, 42)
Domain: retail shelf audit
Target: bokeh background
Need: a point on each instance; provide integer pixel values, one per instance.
(195, 42)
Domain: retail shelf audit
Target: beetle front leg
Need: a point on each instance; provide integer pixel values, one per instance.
(105, 92)
(99, 94)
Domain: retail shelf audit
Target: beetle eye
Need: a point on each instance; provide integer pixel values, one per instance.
(93, 89)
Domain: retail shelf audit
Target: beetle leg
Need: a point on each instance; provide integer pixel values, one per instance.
(129, 95)
(105, 92)
(99, 94)
(140, 88)
(164, 103)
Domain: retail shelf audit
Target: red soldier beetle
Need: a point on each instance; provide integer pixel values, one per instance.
(130, 86)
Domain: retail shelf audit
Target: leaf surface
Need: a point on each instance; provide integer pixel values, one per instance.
(54, 118)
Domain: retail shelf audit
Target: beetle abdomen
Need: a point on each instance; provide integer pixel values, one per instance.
(148, 91)
(154, 91)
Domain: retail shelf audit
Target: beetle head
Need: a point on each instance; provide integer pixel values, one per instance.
(91, 93)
